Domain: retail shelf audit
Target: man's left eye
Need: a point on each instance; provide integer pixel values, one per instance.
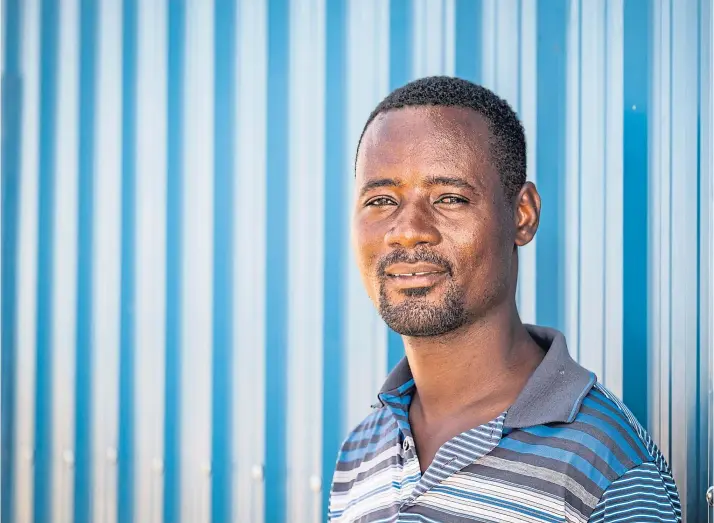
(451, 199)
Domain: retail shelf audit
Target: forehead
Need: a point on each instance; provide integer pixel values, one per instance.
(418, 139)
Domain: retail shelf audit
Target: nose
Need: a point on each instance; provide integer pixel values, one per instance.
(413, 225)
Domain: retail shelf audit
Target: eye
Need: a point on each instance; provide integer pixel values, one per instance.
(380, 201)
(451, 200)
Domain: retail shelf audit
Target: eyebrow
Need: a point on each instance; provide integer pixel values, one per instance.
(431, 181)
(451, 181)
(382, 182)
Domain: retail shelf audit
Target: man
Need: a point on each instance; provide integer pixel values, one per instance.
(486, 419)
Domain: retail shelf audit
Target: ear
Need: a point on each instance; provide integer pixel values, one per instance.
(527, 214)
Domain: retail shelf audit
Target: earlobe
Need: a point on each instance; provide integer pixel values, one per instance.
(527, 214)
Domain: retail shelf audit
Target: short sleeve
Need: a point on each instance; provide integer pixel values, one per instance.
(641, 495)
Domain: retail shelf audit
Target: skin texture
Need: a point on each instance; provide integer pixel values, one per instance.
(428, 200)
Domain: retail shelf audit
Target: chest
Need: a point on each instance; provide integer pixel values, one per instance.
(471, 479)
(469, 495)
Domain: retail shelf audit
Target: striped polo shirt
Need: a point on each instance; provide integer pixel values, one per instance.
(567, 450)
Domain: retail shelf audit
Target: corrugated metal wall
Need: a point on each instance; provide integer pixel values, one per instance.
(184, 335)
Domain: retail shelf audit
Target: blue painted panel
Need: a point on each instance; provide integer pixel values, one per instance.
(49, 27)
(335, 257)
(224, 126)
(12, 104)
(125, 497)
(277, 255)
(84, 316)
(635, 298)
(174, 229)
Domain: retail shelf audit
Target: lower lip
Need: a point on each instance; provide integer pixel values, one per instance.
(415, 282)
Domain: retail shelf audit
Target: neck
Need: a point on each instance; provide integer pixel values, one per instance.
(481, 366)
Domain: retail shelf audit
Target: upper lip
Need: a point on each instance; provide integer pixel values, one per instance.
(408, 269)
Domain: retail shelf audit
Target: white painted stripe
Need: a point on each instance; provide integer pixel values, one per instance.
(64, 295)
(528, 114)
(614, 215)
(449, 38)
(428, 37)
(505, 41)
(150, 261)
(419, 24)
(685, 47)
(367, 84)
(591, 234)
(572, 181)
(107, 264)
(197, 265)
(25, 351)
(653, 229)
(707, 195)
(488, 44)
(305, 249)
(659, 233)
(249, 261)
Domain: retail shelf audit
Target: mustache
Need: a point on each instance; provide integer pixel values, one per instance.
(404, 256)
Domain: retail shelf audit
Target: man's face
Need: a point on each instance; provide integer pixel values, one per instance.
(433, 232)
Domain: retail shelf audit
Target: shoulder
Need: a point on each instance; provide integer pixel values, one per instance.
(600, 444)
(368, 438)
(643, 491)
(583, 459)
(365, 459)
(601, 408)
(367, 447)
(646, 487)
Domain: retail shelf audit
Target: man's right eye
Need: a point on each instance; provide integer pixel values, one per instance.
(380, 201)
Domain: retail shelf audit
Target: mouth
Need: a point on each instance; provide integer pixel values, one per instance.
(416, 275)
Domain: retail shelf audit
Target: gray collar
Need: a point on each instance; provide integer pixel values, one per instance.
(553, 393)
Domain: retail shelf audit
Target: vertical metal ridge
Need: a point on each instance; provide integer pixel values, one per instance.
(125, 496)
(306, 139)
(613, 192)
(150, 261)
(88, 42)
(571, 182)
(106, 268)
(468, 40)
(65, 269)
(528, 112)
(277, 256)
(638, 160)
(43, 470)
(12, 113)
(551, 105)
(336, 173)
(196, 265)
(684, 246)
(369, 50)
(591, 198)
(224, 51)
(250, 267)
(174, 297)
(27, 262)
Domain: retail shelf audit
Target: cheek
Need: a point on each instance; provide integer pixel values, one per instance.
(481, 250)
(366, 248)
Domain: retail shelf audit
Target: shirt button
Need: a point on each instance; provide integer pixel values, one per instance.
(407, 444)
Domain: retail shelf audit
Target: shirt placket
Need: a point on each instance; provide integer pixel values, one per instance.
(455, 454)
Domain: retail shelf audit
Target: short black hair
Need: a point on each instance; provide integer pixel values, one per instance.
(508, 144)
